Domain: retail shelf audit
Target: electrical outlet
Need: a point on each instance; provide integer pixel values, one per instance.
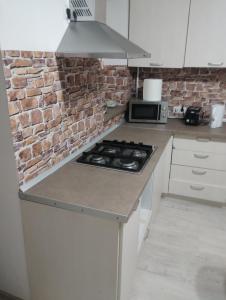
(179, 111)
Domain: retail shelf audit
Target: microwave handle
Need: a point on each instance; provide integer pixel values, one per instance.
(159, 112)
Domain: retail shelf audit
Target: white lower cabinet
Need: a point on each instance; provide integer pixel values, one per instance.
(145, 211)
(71, 255)
(129, 254)
(136, 231)
(161, 178)
(199, 169)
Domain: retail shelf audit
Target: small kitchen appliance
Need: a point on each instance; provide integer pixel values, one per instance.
(118, 155)
(140, 111)
(194, 115)
(217, 115)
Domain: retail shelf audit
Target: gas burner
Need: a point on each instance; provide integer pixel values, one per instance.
(111, 150)
(139, 153)
(128, 163)
(135, 153)
(127, 152)
(98, 159)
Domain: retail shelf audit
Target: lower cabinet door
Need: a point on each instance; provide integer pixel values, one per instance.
(198, 175)
(199, 159)
(198, 190)
(128, 254)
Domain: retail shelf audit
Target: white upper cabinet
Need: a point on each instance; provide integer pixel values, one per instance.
(206, 44)
(160, 27)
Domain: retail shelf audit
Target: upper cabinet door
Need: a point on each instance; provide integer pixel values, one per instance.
(206, 44)
(160, 27)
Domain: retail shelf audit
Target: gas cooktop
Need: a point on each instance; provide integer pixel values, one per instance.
(118, 155)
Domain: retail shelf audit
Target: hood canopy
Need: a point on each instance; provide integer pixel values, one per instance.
(97, 40)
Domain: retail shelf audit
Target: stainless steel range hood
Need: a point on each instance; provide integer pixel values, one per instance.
(86, 37)
(97, 40)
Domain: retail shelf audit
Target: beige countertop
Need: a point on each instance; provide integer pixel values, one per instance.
(107, 192)
(178, 128)
(99, 191)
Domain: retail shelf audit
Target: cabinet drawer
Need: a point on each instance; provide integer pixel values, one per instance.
(198, 191)
(200, 145)
(202, 176)
(199, 159)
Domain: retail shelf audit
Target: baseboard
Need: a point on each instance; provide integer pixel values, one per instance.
(197, 200)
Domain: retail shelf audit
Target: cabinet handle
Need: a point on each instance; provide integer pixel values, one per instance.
(197, 188)
(201, 156)
(203, 140)
(215, 64)
(199, 172)
(155, 65)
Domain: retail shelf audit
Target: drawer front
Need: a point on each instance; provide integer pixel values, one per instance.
(200, 145)
(198, 191)
(199, 159)
(202, 176)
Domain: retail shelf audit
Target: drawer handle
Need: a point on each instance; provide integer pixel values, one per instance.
(155, 65)
(197, 188)
(203, 140)
(199, 172)
(215, 64)
(200, 156)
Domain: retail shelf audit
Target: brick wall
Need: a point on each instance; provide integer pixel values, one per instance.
(56, 105)
(198, 86)
(118, 83)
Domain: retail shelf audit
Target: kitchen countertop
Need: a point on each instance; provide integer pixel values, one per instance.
(178, 128)
(107, 192)
(99, 191)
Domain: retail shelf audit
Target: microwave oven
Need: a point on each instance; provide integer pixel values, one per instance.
(141, 111)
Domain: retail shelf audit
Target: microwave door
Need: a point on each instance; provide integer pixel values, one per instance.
(145, 112)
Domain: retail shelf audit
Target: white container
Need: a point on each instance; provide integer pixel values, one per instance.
(217, 115)
(152, 90)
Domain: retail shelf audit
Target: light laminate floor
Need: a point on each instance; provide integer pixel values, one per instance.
(184, 257)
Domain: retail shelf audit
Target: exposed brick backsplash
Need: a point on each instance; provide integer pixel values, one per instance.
(56, 105)
(118, 83)
(198, 86)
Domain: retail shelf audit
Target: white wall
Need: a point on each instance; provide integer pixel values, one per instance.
(118, 19)
(13, 270)
(40, 25)
(32, 25)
